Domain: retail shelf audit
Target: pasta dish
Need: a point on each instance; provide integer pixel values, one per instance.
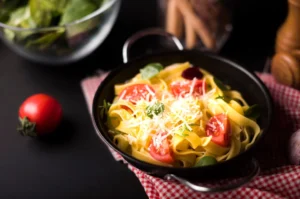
(180, 116)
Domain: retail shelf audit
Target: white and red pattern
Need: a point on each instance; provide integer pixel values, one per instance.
(277, 182)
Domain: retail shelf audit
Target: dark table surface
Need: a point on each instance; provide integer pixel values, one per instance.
(76, 164)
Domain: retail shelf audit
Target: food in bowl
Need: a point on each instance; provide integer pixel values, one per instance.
(180, 116)
(41, 14)
(56, 31)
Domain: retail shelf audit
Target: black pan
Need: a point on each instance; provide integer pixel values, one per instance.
(252, 88)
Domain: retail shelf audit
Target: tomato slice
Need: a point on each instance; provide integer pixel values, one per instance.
(163, 152)
(218, 127)
(183, 88)
(136, 92)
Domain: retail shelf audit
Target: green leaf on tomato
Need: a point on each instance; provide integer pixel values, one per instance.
(206, 161)
(151, 70)
(155, 109)
(253, 111)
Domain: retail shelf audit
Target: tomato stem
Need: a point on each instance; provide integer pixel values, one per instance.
(27, 128)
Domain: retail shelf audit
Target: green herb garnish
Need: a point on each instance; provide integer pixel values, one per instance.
(183, 130)
(221, 85)
(220, 97)
(253, 112)
(104, 109)
(155, 109)
(206, 161)
(225, 98)
(151, 70)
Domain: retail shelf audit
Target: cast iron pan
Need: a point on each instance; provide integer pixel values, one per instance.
(251, 87)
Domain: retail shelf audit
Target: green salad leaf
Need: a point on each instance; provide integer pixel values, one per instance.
(20, 18)
(40, 12)
(46, 40)
(155, 109)
(77, 9)
(151, 70)
(7, 7)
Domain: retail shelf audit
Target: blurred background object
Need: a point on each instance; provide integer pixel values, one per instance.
(201, 24)
(286, 61)
(56, 32)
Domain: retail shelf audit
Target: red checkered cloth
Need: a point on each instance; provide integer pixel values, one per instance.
(278, 179)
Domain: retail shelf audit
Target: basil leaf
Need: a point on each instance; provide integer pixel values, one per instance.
(155, 109)
(253, 112)
(77, 9)
(221, 85)
(206, 161)
(225, 98)
(220, 97)
(104, 109)
(151, 70)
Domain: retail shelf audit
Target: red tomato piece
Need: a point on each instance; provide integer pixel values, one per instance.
(218, 127)
(163, 152)
(39, 114)
(136, 92)
(183, 88)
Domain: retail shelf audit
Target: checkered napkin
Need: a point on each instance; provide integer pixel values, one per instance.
(278, 178)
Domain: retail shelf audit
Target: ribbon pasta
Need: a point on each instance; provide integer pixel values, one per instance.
(182, 121)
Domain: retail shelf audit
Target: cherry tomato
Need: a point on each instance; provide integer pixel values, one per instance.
(39, 114)
(182, 88)
(218, 127)
(163, 152)
(136, 92)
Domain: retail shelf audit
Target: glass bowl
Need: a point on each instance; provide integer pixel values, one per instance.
(63, 44)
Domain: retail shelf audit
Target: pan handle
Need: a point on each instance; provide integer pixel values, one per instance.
(151, 31)
(254, 172)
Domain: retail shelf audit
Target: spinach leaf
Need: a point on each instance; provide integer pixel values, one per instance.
(253, 112)
(19, 18)
(221, 85)
(7, 7)
(46, 40)
(155, 109)
(77, 9)
(99, 2)
(151, 70)
(40, 12)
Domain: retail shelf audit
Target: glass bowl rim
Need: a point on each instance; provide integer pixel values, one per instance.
(97, 12)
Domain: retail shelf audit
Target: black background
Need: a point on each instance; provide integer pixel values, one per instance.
(76, 164)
